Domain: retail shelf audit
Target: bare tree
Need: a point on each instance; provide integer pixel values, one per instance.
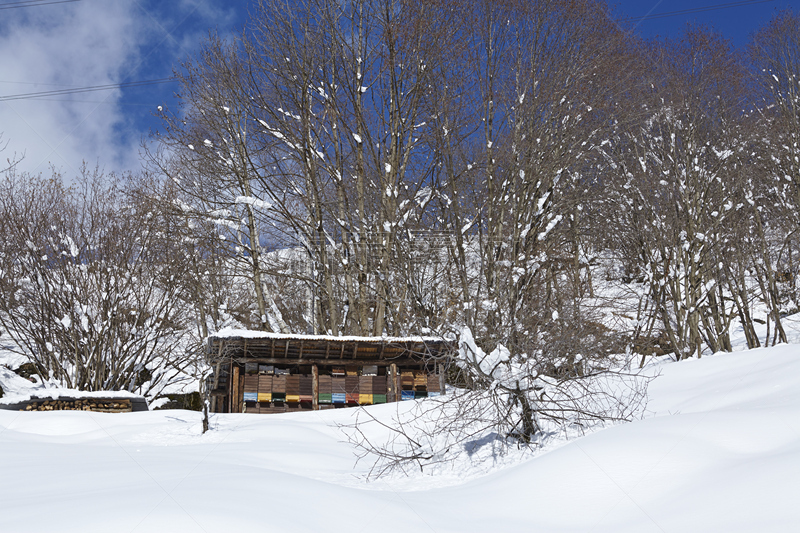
(212, 157)
(679, 192)
(89, 284)
(775, 54)
(342, 88)
(774, 200)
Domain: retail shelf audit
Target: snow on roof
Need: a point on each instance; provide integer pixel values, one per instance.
(232, 333)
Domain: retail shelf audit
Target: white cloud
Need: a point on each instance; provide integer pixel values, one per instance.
(86, 43)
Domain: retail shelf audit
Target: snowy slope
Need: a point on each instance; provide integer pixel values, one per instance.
(719, 450)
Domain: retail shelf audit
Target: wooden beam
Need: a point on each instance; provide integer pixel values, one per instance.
(234, 403)
(216, 378)
(392, 395)
(241, 393)
(405, 361)
(230, 386)
(314, 388)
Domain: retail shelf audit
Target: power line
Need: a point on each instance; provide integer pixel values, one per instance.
(96, 102)
(93, 88)
(34, 3)
(692, 10)
(34, 83)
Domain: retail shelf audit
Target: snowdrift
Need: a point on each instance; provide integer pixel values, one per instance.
(717, 450)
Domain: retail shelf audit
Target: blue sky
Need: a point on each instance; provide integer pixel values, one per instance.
(81, 43)
(734, 19)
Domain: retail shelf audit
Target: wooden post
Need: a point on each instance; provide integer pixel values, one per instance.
(392, 389)
(441, 379)
(314, 388)
(229, 396)
(234, 392)
(241, 392)
(217, 368)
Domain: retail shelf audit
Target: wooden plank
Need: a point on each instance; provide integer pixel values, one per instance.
(391, 390)
(240, 399)
(230, 387)
(216, 378)
(234, 403)
(314, 388)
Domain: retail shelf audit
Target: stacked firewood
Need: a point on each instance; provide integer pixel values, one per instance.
(81, 404)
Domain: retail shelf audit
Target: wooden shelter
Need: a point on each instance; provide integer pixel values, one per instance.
(258, 372)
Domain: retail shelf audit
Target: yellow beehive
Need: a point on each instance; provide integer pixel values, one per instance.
(365, 399)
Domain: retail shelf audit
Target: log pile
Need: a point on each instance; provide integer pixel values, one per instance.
(97, 405)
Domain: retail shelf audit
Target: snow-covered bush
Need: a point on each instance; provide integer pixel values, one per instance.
(90, 284)
(510, 400)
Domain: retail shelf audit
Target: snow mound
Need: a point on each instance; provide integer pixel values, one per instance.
(718, 450)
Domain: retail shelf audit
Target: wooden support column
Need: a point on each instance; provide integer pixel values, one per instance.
(392, 386)
(440, 371)
(217, 368)
(241, 392)
(233, 404)
(314, 388)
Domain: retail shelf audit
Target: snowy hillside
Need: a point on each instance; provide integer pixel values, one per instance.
(718, 450)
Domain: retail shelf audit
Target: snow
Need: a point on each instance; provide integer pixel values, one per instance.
(23, 391)
(255, 202)
(229, 332)
(14, 386)
(717, 450)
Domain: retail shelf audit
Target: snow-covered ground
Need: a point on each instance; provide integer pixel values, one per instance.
(718, 450)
